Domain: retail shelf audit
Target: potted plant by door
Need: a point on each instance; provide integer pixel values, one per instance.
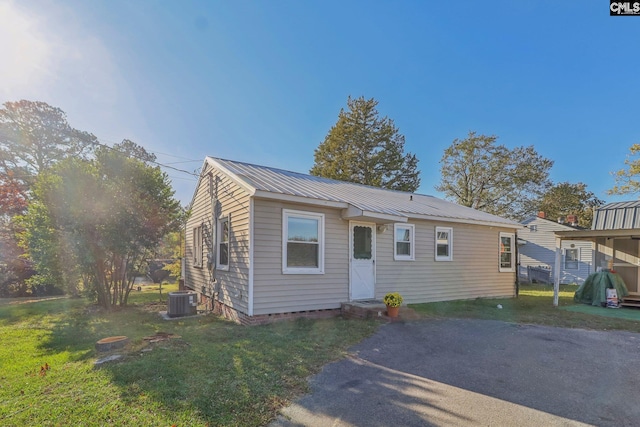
(393, 300)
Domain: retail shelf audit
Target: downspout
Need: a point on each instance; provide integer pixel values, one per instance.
(517, 266)
(252, 239)
(183, 261)
(213, 193)
(556, 271)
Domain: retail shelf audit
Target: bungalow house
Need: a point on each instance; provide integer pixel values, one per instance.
(537, 248)
(265, 243)
(615, 236)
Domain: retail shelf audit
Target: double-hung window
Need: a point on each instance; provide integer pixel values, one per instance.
(571, 258)
(403, 242)
(444, 244)
(197, 246)
(223, 243)
(302, 242)
(507, 252)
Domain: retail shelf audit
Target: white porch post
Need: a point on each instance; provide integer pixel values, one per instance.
(556, 271)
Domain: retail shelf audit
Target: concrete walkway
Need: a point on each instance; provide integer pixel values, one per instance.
(471, 372)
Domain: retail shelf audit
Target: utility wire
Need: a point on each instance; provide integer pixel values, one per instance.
(101, 144)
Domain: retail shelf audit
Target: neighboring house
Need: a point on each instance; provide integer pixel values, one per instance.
(615, 235)
(264, 243)
(537, 248)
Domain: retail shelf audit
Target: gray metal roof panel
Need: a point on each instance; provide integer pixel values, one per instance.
(617, 216)
(367, 198)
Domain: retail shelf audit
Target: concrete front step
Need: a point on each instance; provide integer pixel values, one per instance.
(375, 310)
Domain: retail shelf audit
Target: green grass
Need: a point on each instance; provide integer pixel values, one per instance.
(534, 305)
(216, 373)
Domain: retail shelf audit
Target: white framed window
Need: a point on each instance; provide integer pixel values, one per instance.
(302, 242)
(444, 244)
(403, 242)
(571, 258)
(533, 228)
(507, 252)
(223, 243)
(197, 246)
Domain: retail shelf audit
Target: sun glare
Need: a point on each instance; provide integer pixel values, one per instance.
(23, 49)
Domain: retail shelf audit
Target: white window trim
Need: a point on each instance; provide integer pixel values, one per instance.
(221, 220)
(286, 213)
(412, 242)
(512, 269)
(197, 246)
(564, 264)
(449, 231)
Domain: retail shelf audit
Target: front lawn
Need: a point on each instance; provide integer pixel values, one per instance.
(534, 305)
(212, 372)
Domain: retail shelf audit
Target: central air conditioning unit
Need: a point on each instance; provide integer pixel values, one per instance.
(182, 303)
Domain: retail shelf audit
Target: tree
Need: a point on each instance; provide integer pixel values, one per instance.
(570, 199)
(13, 195)
(366, 149)
(14, 268)
(135, 151)
(627, 181)
(35, 135)
(105, 216)
(478, 173)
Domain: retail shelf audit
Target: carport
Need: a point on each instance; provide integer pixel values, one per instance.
(615, 237)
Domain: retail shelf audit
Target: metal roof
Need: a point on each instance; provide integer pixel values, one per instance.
(617, 216)
(372, 202)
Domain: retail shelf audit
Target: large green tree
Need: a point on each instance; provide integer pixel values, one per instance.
(566, 198)
(34, 136)
(364, 148)
(628, 178)
(102, 217)
(478, 173)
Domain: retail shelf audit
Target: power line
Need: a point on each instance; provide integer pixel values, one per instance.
(187, 161)
(155, 152)
(149, 161)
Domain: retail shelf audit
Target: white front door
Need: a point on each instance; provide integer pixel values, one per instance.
(363, 260)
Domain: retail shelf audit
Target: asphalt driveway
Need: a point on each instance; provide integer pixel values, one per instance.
(473, 372)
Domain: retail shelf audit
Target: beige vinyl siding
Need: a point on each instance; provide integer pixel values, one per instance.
(626, 259)
(275, 292)
(540, 250)
(472, 273)
(234, 283)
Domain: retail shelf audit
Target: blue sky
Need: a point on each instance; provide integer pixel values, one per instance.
(263, 81)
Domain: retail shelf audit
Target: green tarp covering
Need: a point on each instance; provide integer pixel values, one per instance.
(594, 290)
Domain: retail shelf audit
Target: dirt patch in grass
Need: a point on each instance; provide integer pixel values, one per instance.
(216, 373)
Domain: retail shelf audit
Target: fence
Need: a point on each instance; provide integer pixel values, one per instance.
(538, 274)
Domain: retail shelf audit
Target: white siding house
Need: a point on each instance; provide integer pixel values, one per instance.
(539, 250)
(615, 236)
(264, 243)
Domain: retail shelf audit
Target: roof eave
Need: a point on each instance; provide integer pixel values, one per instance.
(513, 225)
(261, 194)
(232, 176)
(595, 234)
(354, 213)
